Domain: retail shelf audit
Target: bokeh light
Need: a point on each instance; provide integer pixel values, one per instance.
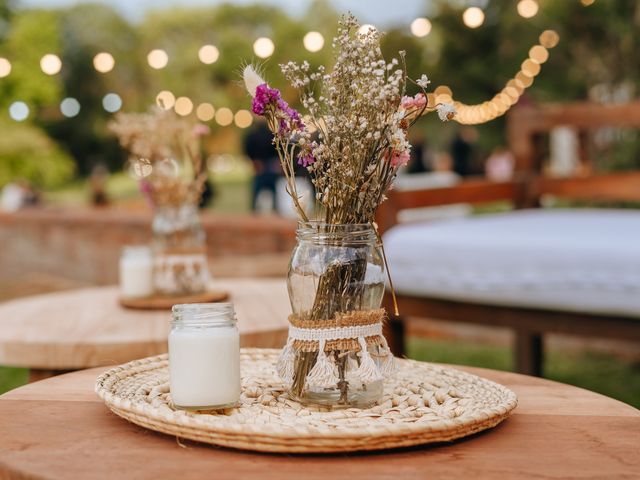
(224, 116)
(19, 111)
(549, 38)
(530, 68)
(421, 27)
(473, 17)
(158, 59)
(183, 106)
(139, 168)
(165, 100)
(50, 64)
(103, 62)
(313, 41)
(263, 47)
(208, 54)
(243, 118)
(527, 8)
(205, 112)
(5, 67)
(586, 3)
(112, 102)
(364, 29)
(70, 107)
(525, 80)
(539, 54)
(443, 90)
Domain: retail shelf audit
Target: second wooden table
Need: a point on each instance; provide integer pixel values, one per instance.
(87, 328)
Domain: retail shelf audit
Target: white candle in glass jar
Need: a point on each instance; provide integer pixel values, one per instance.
(136, 272)
(204, 356)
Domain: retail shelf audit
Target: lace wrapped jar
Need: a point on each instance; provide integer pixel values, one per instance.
(336, 354)
(179, 250)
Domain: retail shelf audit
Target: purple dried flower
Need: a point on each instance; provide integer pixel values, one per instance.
(288, 118)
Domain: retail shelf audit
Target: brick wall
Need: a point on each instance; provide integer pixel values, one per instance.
(85, 245)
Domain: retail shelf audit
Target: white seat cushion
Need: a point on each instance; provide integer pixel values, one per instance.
(582, 260)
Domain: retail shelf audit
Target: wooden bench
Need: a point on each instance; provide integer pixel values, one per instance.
(525, 128)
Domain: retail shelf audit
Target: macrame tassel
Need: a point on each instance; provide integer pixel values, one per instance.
(367, 371)
(284, 367)
(387, 360)
(323, 374)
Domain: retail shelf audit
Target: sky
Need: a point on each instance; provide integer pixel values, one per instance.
(377, 12)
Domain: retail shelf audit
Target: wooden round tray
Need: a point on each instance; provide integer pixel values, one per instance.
(158, 302)
(423, 403)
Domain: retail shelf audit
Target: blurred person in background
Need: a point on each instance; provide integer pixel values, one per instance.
(258, 146)
(463, 150)
(98, 185)
(500, 165)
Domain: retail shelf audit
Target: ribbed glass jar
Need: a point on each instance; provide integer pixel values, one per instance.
(334, 270)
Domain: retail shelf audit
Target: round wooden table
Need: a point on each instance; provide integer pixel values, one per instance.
(59, 429)
(87, 328)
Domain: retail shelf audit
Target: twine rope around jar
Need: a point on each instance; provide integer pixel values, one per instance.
(347, 332)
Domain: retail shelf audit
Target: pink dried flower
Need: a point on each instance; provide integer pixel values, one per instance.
(398, 159)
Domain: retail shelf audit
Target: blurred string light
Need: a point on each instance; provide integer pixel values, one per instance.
(243, 118)
(224, 116)
(157, 59)
(19, 111)
(51, 64)
(473, 17)
(509, 95)
(112, 102)
(205, 112)
(70, 107)
(586, 3)
(208, 54)
(103, 62)
(263, 47)
(549, 38)
(183, 106)
(421, 27)
(5, 67)
(527, 8)
(165, 100)
(313, 41)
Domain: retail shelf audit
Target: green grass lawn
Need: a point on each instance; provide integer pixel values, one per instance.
(599, 372)
(594, 371)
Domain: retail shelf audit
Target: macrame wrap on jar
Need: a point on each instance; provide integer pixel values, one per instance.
(346, 332)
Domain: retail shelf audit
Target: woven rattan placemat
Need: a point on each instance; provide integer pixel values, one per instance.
(423, 403)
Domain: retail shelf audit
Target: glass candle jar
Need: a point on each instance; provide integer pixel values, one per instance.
(136, 272)
(204, 356)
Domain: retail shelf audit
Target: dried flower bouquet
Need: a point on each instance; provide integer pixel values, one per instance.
(352, 141)
(165, 155)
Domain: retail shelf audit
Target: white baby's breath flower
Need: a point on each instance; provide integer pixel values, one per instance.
(423, 81)
(446, 111)
(251, 79)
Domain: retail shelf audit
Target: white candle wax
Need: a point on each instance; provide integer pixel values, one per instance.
(136, 272)
(204, 366)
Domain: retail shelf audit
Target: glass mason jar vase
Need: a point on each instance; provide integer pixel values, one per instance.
(336, 274)
(179, 250)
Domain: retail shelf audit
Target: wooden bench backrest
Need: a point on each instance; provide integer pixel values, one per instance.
(523, 126)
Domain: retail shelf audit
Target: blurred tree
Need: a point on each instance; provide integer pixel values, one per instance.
(26, 152)
(88, 29)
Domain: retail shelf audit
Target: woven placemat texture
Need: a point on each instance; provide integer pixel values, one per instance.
(423, 403)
